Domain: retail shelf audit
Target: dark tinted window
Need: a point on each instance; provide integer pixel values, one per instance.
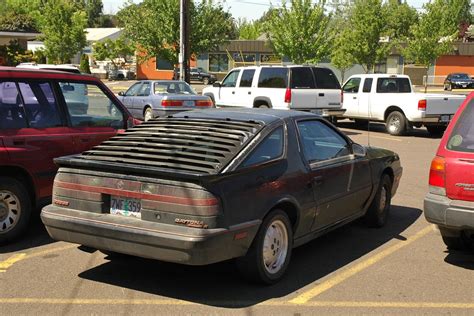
(367, 85)
(460, 76)
(40, 104)
(325, 79)
(393, 85)
(352, 85)
(302, 78)
(246, 79)
(11, 110)
(231, 79)
(462, 136)
(270, 148)
(273, 78)
(320, 142)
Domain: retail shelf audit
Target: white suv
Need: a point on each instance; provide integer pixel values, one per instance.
(295, 87)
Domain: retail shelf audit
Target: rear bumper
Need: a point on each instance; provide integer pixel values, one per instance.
(323, 112)
(172, 243)
(166, 112)
(447, 213)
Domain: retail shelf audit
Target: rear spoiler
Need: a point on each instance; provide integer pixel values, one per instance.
(124, 168)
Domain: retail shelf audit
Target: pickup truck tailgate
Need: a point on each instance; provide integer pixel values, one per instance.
(442, 103)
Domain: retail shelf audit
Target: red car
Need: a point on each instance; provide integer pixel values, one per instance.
(43, 115)
(450, 200)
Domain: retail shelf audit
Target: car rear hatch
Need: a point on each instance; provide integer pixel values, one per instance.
(459, 157)
(160, 171)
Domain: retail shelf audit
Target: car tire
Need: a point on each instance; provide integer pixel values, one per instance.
(15, 209)
(269, 255)
(205, 81)
(450, 87)
(147, 114)
(262, 106)
(379, 208)
(396, 123)
(461, 242)
(436, 130)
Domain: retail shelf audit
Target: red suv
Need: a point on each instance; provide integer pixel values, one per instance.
(43, 115)
(450, 200)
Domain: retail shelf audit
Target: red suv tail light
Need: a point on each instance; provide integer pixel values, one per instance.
(171, 103)
(288, 95)
(437, 176)
(422, 105)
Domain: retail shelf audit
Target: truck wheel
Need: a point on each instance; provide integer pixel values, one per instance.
(269, 255)
(15, 209)
(262, 106)
(205, 81)
(378, 210)
(460, 242)
(396, 123)
(148, 114)
(436, 130)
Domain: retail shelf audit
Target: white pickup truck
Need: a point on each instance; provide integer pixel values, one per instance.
(390, 99)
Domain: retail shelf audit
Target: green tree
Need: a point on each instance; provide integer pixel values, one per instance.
(84, 65)
(153, 27)
(113, 50)
(17, 15)
(249, 30)
(93, 9)
(367, 23)
(399, 18)
(300, 31)
(341, 56)
(63, 28)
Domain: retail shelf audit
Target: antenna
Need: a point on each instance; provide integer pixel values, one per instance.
(368, 111)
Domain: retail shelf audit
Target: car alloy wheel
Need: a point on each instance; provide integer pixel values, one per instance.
(275, 246)
(396, 123)
(10, 211)
(205, 80)
(148, 115)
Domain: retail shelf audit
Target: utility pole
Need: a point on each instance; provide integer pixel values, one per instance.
(184, 40)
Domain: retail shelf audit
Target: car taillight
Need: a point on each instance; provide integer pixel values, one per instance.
(203, 103)
(422, 105)
(288, 95)
(437, 176)
(171, 103)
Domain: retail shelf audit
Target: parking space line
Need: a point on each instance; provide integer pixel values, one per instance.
(48, 251)
(4, 265)
(278, 303)
(344, 275)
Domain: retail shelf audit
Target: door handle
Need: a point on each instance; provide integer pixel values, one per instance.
(318, 180)
(354, 98)
(321, 94)
(19, 142)
(249, 92)
(233, 92)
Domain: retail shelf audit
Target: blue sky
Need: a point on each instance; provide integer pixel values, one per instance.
(249, 9)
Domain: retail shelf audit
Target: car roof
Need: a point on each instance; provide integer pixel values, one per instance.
(14, 72)
(379, 76)
(278, 66)
(266, 116)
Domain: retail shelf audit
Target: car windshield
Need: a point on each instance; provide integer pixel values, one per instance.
(460, 76)
(462, 136)
(173, 87)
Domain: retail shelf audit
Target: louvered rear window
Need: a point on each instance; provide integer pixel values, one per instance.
(187, 145)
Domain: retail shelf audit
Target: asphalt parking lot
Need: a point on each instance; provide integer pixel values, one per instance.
(403, 268)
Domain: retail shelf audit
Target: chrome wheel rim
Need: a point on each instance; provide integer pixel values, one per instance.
(148, 115)
(394, 124)
(275, 247)
(9, 211)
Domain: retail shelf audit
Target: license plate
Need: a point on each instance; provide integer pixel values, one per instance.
(464, 85)
(125, 207)
(444, 118)
(188, 103)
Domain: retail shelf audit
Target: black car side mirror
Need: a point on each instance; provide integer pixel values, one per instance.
(359, 150)
(216, 84)
(121, 93)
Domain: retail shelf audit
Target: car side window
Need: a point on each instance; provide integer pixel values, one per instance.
(301, 78)
(367, 85)
(325, 79)
(270, 148)
(89, 106)
(40, 104)
(12, 115)
(246, 78)
(144, 90)
(133, 90)
(320, 142)
(462, 135)
(273, 77)
(231, 79)
(352, 85)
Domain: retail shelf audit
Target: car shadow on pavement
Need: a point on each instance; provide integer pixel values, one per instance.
(461, 259)
(221, 284)
(36, 235)
(380, 128)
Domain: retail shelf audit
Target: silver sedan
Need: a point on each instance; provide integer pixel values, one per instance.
(147, 99)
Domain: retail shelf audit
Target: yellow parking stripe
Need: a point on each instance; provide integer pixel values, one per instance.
(344, 275)
(48, 251)
(4, 265)
(175, 302)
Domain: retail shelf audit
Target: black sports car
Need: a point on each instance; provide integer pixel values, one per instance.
(206, 186)
(458, 81)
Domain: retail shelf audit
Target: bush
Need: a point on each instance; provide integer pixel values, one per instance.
(84, 67)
